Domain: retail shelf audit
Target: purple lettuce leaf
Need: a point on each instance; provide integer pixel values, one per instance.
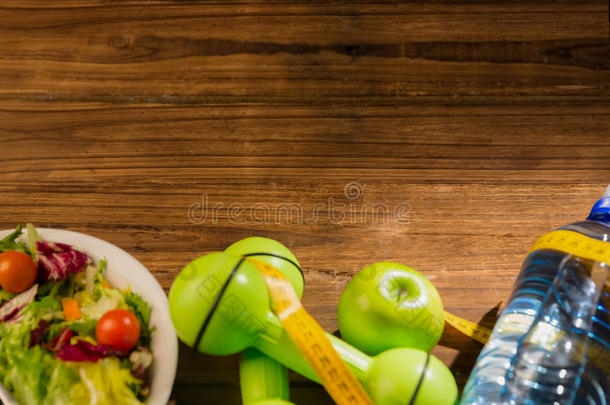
(58, 341)
(36, 335)
(10, 310)
(56, 261)
(85, 351)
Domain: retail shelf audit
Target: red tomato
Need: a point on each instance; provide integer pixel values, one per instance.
(17, 271)
(119, 329)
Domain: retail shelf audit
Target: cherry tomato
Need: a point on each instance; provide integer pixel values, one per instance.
(17, 271)
(119, 329)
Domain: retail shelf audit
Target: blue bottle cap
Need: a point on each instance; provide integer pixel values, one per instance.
(601, 209)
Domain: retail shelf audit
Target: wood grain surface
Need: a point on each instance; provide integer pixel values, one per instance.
(443, 135)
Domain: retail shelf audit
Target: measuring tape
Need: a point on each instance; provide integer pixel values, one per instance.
(574, 243)
(471, 329)
(311, 340)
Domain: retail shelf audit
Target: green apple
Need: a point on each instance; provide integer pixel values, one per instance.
(388, 305)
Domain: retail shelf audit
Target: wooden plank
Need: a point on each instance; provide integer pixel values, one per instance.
(304, 54)
(425, 142)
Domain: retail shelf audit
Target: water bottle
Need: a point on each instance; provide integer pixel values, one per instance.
(551, 344)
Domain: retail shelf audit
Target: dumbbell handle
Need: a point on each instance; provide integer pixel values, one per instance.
(285, 351)
(261, 378)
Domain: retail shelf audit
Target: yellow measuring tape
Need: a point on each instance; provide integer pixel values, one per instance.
(471, 329)
(311, 340)
(576, 244)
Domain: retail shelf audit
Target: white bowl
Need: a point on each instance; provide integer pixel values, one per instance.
(124, 270)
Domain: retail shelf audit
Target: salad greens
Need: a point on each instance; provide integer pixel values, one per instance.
(46, 358)
(142, 311)
(9, 242)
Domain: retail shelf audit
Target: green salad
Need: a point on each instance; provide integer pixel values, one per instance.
(66, 336)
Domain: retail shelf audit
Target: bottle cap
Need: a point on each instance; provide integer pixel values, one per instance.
(601, 209)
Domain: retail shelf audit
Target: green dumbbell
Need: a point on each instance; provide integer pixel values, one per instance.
(263, 380)
(220, 305)
(395, 376)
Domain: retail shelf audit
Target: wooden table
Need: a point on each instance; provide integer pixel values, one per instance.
(175, 128)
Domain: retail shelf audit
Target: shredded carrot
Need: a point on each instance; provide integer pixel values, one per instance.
(71, 310)
(105, 284)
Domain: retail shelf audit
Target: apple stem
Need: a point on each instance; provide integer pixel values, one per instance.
(402, 293)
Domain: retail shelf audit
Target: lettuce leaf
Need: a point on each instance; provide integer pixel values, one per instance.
(83, 327)
(37, 378)
(9, 242)
(108, 383)
(94, 309)
(11, 308)
(16, 335)
(33, 237)
(142, 311)
(56, 261)
(59, 288)
(82, 350)
(6, 296)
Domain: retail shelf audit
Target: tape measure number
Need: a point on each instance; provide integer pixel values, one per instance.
(311, 340)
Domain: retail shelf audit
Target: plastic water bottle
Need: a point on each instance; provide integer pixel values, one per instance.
(551, 344)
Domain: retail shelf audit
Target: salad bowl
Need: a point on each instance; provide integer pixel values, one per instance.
(124, 271)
